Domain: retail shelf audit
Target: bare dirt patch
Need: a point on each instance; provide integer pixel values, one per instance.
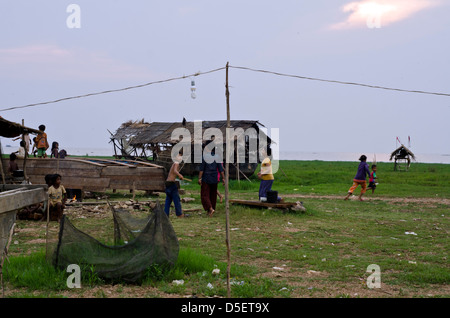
(422, 201)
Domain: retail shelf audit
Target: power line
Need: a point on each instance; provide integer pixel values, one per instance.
(113, 90)
(338, 82)
(222, 68)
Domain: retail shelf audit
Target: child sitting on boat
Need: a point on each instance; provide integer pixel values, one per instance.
(57, 198)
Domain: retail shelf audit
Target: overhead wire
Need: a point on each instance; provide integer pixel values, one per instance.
(114, 90)
(222, 68)
(338, 82)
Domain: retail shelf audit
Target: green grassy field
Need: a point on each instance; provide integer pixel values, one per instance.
(322, 252)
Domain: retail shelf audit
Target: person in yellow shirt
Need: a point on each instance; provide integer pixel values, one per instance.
(266, 176)
(57, 198)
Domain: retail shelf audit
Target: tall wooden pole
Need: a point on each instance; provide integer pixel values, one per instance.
(1, 164)
(25, 177)
(227, 176)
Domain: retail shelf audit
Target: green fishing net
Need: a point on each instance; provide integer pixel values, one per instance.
(139, 244)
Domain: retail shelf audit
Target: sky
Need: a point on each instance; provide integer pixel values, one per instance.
(51, 50)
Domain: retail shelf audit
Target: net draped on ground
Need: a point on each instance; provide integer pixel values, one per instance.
(139, 243)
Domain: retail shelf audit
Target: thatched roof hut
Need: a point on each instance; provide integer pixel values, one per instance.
(142, 133)
(11, 129)
(153, 141)
(402, 155)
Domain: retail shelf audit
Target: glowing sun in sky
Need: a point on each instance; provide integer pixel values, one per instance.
(377, 13)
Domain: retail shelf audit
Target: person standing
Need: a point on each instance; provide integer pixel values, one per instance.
(55, 150)
(41, 142)
(171, 189)
(373, 176)
(360, 178)
(208, 180)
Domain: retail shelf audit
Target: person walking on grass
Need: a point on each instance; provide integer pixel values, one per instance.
(360, 178)
(373, 176)
(208, 180)
(172, 194)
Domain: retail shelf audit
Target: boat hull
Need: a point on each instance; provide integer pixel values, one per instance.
(95, 174)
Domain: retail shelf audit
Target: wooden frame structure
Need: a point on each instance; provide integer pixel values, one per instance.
(402, 158)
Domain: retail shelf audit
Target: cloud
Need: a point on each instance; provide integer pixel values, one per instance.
(379, 13)
(54, 62)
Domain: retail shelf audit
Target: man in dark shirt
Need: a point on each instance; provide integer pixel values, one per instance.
(208, 178)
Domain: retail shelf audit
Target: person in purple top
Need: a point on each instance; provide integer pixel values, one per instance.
(360, 178)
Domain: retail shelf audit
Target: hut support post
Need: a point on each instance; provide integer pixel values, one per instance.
(1, 165)
(25, 157)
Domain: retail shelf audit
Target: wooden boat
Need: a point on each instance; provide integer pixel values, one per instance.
(92, 174)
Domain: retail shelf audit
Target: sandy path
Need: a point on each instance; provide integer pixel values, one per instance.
(428, 200)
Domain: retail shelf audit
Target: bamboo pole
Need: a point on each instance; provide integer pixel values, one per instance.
(227, 175)
(1, 164)
(237, 163)
(237, 168)
(48, 223)
(25, 177)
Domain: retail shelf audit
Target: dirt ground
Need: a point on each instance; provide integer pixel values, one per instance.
(303, 283)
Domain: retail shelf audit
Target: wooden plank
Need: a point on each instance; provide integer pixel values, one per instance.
(107, 161)
(63, 172)
(17, 199)
(86, 183)
(283, 205)
(7, 187)
(147, 172)
(124, 161)
(153, 186)
(82, 160)
(147, 164)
